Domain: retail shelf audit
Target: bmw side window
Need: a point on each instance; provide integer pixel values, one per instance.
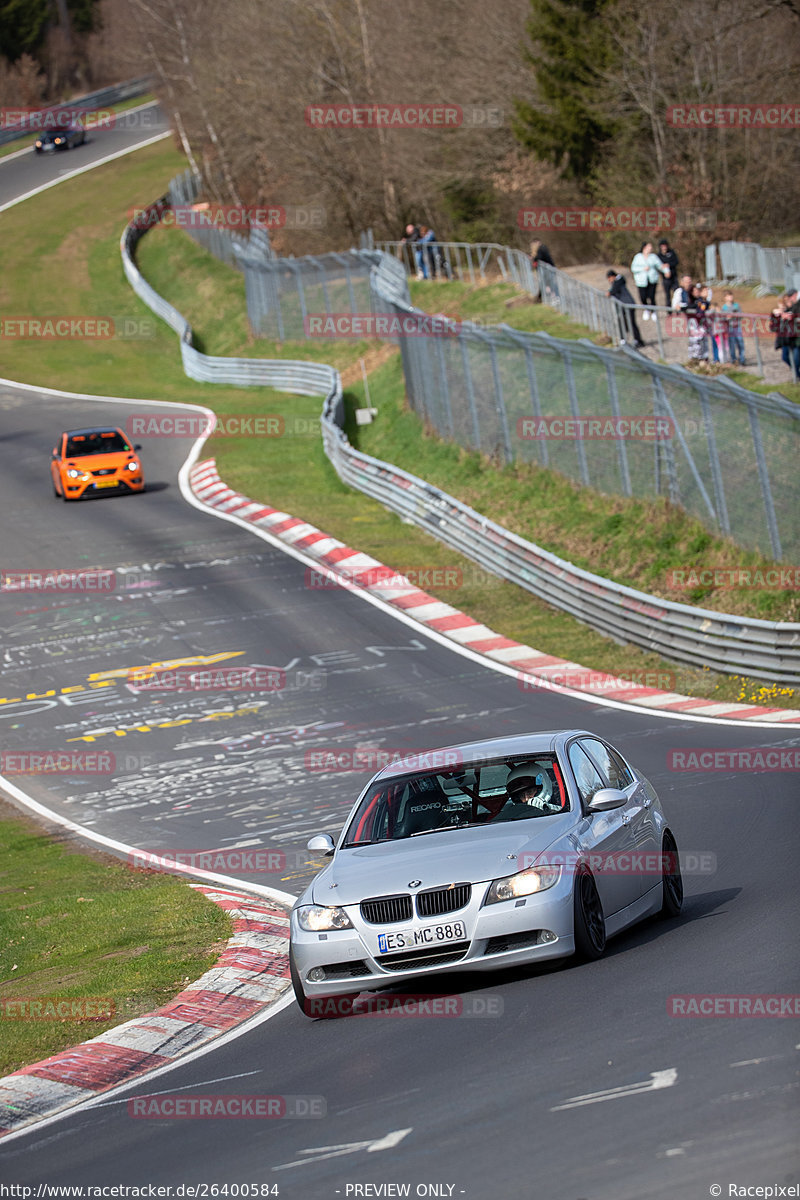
(625, 773)
(586, 774)
(609, 762)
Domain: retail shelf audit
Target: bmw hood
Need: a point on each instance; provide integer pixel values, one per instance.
(436, 860)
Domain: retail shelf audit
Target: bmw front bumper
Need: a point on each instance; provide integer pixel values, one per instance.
(536, 928)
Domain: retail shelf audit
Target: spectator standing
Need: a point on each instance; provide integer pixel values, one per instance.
(682, 296)
(794, 309)
(618, 289)
(670, 259)
(413, 238)
(784, 324)
(718, 332)
(540, 254)
(646, 268)
(428, 242)
(732, 313)
(697, 326)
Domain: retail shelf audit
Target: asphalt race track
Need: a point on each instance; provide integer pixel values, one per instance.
(29, 170)
(507, 1104)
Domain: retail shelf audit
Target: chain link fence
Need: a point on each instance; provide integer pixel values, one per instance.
(764, 649)
(487, 262)
(605, 418)
(772, 268)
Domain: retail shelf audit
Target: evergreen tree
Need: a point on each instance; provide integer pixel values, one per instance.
(571, 46)
(24, 23)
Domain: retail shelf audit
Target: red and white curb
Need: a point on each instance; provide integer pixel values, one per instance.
(250, 975)
(543, 671)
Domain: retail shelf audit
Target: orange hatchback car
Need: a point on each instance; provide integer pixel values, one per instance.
(87, 462)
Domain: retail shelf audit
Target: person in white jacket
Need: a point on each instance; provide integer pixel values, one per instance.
(646, 268)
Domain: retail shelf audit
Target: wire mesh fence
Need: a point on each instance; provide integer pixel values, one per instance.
(771, 267)
(605, 418)
(767, 650)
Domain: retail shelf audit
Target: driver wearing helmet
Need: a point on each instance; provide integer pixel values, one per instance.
(530, 792)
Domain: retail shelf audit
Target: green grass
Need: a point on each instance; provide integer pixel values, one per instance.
(293, 474)
(81, 269)
(496, 304)
(79, 926)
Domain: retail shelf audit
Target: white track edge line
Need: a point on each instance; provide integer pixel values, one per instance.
(82, 170)
(6, 158)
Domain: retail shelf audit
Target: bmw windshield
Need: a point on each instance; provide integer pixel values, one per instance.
(490, 793)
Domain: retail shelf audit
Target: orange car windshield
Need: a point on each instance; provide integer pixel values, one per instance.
(83, 444)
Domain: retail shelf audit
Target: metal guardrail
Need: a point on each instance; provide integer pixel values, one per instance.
(487, 261)
(99, 99)
(762, 649)
(468, 262)
(773, 268)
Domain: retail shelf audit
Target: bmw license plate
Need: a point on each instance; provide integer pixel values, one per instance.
(413, 939)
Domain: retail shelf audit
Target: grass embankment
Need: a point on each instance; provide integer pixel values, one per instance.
(629, 540)
(83, 927)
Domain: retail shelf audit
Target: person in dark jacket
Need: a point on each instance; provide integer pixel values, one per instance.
(414, 237)
(540, 254)
(618, 290)
(783, 323)
(670, 259)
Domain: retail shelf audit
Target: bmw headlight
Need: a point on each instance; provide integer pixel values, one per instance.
(316, 918)
(524, 883)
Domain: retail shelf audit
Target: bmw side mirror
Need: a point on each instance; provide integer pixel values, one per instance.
(322, 843)
(606, 799)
